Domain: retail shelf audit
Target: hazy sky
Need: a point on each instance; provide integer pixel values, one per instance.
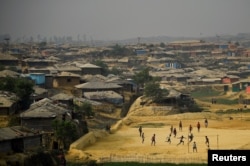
(122, 19)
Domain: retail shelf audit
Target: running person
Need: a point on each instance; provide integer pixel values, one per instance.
(153, 140)
(169, 139)
(207, 141)
(206, 123)
(194, 147)
(140, 130)
(143, 137)
(181, 140)
(174, 132)
(190, 128)
(198, 126)
(190, 136)
(180, 126)
(171, 129)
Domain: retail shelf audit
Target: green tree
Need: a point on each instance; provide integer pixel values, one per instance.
(104, 66)
(120, 50)
(153, 91)
(117, 51)
(14, 120)
(2, 68)
(42, 44)
(65, 132)
(115, 71)
(142, 77)
(85, 108)
(162, 44)
(8, 84)
(12, 68)
(105, 69)
(22, 87)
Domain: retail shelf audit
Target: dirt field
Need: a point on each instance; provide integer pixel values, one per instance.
(125, 144)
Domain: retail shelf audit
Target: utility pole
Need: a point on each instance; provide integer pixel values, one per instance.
(138, 41)
(6, 45)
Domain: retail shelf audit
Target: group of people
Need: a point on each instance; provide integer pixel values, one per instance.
(141, 133)
(173, 132)
(206, 142)
(198, 126)
(213, 101)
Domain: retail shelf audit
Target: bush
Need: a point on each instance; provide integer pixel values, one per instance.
(14, 121)
(40, 158)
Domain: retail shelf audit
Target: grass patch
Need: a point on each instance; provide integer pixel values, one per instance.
(150, 164)
(205, 92)
(93, 163)
(227, 101)
(232, 111)
(150, 125)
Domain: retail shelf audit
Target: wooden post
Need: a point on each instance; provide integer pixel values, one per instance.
(188, 143)
(217, 141)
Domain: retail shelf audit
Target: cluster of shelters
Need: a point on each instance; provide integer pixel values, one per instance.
(65, 75)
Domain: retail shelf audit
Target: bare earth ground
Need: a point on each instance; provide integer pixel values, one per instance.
(124, 143)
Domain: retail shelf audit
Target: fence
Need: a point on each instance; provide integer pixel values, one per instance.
(151, 159)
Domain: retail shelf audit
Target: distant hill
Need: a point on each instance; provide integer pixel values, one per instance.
(241, 37)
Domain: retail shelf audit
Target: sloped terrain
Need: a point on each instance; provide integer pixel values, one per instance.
(125, 144)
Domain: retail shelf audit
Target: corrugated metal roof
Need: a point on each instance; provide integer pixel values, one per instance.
(7, 98)
(232, 76)
(67, 68)
(14, 132)
(38, 60)
(124, 60)
(39, 90)
(174, 93)
(109, 60)
(43, 68)
(7, 57)
(87, 65)
(5, 102)
(62, 96)
(210, 79)
(94, 78)
(68, 74)
(83, 100)
(98, 85)
(184, 42)
(247, 80)
(102, 95)
(9, 73)
(44, 108)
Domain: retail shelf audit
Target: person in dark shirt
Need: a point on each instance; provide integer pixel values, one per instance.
(153, 140)
(181, 140)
